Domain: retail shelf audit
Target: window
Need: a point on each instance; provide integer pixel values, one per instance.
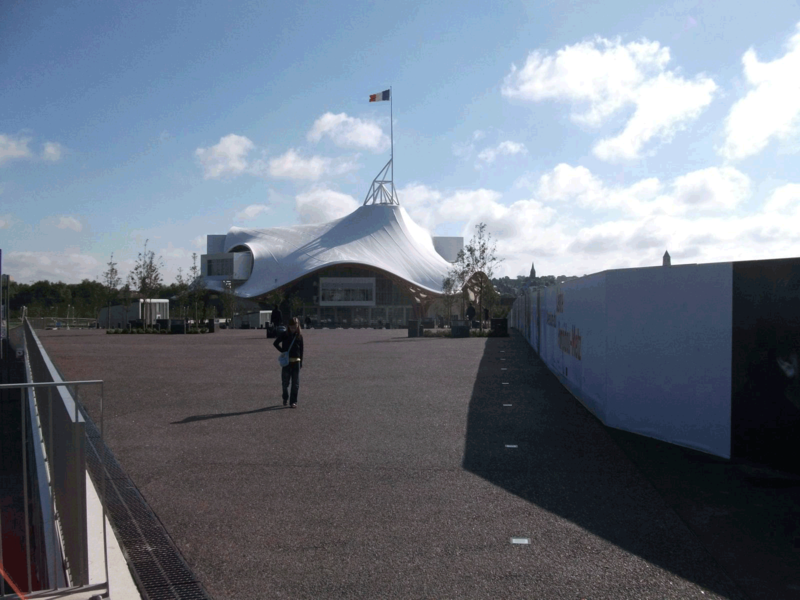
(220, 267)
(347, 291)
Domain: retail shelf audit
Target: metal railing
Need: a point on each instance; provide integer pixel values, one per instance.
(61, 528)
(57, 475)
(61, 323)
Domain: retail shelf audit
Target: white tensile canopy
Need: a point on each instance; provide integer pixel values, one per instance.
(382, 236)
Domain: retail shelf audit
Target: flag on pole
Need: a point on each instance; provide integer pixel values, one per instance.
(384, 96)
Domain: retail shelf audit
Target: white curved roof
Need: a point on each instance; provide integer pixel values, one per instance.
(382, 236)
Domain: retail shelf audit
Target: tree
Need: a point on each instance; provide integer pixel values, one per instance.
(491, 299)
(181, 290)
(89, 297)
(196, 285)
(449, 290)
(276, 297)
(295, 305)
(475, 264)
(229, 300)
(127, 294)
(146, 277)
(111, 282)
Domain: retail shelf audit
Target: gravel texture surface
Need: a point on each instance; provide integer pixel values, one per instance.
(392, 478)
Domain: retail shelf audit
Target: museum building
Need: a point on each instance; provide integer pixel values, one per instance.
(374, 267)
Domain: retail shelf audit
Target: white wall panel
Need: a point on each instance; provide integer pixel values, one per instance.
(579, 336)
(654, 350)
(669, 354)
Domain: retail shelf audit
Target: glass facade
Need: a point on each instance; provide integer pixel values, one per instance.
(346, 291)
(352, 296)
(220, 267)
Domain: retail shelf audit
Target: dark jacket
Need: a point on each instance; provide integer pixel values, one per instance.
(282, 344)
(276, 317)
(471, 313)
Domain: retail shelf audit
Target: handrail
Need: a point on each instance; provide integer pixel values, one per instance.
(54, 582)
(64, 456)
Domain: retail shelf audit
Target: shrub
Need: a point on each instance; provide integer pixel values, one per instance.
(140, 330)
(163, 331)
(204, 330)
(125, 331)
(110, 331)
(479, 333)
(436, 333)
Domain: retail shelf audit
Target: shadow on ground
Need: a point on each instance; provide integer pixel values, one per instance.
(678, 509)
(196, 418)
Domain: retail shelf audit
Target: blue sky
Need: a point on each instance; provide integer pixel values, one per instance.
(587, 135)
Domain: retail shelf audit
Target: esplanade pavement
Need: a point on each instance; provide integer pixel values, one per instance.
(412, 468)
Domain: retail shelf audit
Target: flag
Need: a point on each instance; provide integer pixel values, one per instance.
(384, 96)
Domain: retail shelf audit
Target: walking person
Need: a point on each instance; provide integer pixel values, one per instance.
(276, 318)
(291, 341)
(471, 315)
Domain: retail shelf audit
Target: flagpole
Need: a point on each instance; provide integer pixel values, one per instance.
(391, 127)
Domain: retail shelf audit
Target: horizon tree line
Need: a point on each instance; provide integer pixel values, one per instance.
(86, 299)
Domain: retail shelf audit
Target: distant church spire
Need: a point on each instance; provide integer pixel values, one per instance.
(667, 262)
(533, 271)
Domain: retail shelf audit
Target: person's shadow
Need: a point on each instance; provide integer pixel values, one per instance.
(232, 414)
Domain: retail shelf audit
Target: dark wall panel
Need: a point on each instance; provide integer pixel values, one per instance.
(765, 391)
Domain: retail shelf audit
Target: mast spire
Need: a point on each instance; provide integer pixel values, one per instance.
(391, 128)
(382, 190)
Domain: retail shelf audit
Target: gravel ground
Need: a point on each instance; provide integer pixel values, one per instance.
(392, 478)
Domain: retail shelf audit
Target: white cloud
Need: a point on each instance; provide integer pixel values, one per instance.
(692, 216)
(463, 150)
(65, 222)
(642, 242)
(52, 151)
(607, 76)
(68, 266)
(507, 148)
(712, 189)
(566, 182)
(694, 220)
(13, 147)
(664, 105)
(173, 253)
(320, 205)
(5, 221)
(519, 229)
(771, 109)
(724, 188)
(228, 157)
(200, 241)
(251, 212)
(523, 229)
(784, 200)
(293, 166)
(349, 132)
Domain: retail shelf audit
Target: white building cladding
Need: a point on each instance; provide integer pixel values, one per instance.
(378, 236)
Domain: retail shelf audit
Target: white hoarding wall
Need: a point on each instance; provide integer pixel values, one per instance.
(645, 350)
(573, 331)
(669, 354)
